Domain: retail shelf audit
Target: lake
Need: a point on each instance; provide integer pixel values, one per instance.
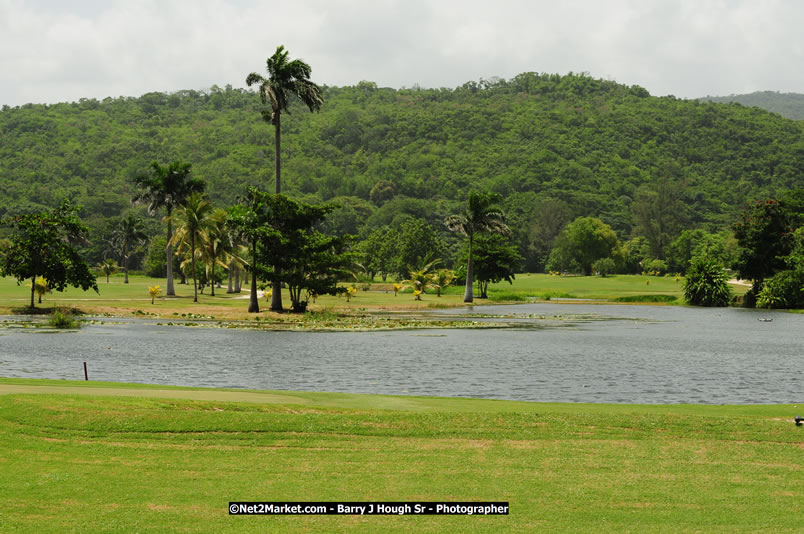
(560, 353)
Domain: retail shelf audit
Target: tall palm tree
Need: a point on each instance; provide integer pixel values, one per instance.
(218, 247)
(129, 234)
(167, 187)
(285, 78)
(481, 216)
(192, 225)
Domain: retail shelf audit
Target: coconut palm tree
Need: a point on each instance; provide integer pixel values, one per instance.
(192, 225)
(442, 279)
(167, 187)
(218, 247)
(108, 267)
(285, 78)
(421, 280)
(127, 237)
(481, 216)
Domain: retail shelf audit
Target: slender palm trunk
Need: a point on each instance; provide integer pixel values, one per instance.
(467, 294)
(276, 295)
(254, 303)
(192, 264)
(277, 163)
(125, 261)
(231, 268)
(33, 289)
(212, 281)
(170, 292)
(237, 279)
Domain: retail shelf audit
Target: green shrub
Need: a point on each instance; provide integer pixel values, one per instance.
(63, 320)
(706, 284)
(502, 296)
(782, 290)
(657, 266)
(646, 298)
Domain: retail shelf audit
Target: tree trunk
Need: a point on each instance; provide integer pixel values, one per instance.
(276, 295)
(125, 260)
(192, 264)
(212, 282)
(170, 292)
(237, 279)
(231, 268)
(467, 294)
(254, 303)
(277, 165)
(33, 290)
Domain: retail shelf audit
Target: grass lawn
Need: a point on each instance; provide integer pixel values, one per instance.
(95, 457)
(117, 298)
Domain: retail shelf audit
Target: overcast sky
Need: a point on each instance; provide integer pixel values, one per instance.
(63, 50)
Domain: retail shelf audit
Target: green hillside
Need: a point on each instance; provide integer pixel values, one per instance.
(555, 147)
(790, 105)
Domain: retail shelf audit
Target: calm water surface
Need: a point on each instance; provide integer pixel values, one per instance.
(563, 353)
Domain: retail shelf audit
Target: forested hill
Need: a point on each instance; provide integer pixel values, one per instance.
(790, 105)
(589, 146)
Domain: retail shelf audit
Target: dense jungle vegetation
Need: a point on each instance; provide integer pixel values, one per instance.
(554, 147)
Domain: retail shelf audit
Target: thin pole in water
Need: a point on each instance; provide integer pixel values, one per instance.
(86, 377)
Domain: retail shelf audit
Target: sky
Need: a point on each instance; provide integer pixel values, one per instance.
(64, 50)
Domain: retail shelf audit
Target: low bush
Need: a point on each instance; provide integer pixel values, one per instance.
(646, 298)
(63, 320)
(706, 284)
(784, 290)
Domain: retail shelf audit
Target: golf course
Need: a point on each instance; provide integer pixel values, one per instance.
(107, 457)
(88, 456)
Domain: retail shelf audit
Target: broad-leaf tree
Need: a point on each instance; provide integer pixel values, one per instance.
(481, 216)
(249, 221)
(418, 243)
(285, 247)
(167, 187)
(496, 259)
(44, 245)
(584, 241)
(764, 234)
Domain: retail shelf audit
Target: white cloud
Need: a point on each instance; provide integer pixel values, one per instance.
(52, 50)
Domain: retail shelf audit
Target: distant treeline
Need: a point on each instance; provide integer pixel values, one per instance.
(555, 148)
(790, 105)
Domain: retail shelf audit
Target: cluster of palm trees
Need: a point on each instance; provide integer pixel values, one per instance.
(420, 280)
(201, 233)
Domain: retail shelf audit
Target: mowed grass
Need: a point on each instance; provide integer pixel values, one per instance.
(590, 287)
(118, 298)
(93, 462)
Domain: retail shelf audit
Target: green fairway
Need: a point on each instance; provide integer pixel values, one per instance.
(117, 298)
(588, 287)
(103, 457)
